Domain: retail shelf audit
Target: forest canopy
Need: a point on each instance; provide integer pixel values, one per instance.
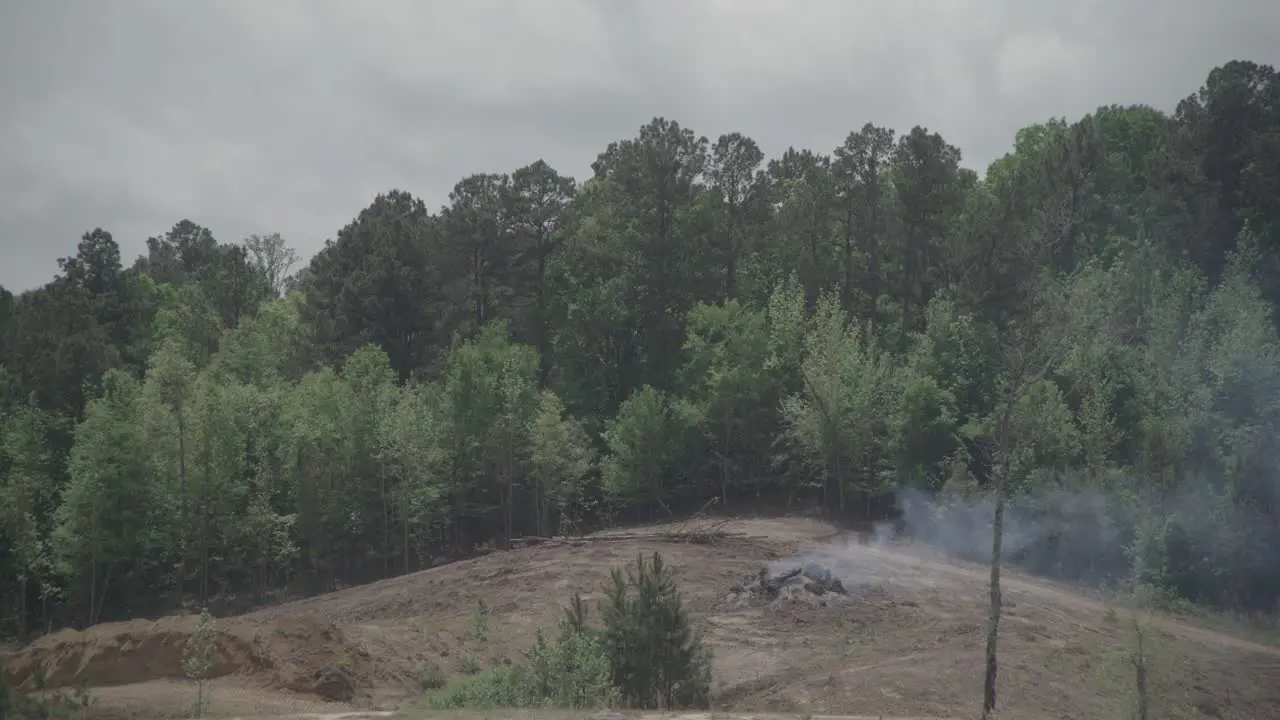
(1094, 318)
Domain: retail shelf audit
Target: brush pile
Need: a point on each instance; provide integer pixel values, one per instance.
(810, 583)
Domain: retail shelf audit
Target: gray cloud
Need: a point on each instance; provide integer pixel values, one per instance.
(290, 115)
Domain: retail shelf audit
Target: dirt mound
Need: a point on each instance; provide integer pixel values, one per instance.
(121, 654)
(299, 654)
(311, 656)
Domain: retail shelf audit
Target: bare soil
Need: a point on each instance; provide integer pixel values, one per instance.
(906, 639)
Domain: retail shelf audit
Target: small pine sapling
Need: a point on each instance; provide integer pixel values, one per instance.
(197, 658)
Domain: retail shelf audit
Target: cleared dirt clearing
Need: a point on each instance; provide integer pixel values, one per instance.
(906, 640)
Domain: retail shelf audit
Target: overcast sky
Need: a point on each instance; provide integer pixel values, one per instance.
(289, 116)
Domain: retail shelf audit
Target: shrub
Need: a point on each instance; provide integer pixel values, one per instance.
(468, 664)
(15, 703)
(480, 621)
(571, 672)
(647, 655)
(431, 677)
(497, 687)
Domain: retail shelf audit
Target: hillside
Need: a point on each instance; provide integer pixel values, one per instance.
(906, 640)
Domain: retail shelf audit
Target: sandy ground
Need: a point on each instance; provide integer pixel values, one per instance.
(906, 642)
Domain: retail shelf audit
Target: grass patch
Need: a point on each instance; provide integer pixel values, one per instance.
(1260, 628)
(571, 672)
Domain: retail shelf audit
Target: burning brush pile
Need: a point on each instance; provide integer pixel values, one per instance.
(808, 583)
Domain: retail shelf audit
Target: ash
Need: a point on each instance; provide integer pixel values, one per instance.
(809, 582)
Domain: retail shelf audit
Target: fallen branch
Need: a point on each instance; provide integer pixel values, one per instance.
(773, 585)
(701, 537)
(664, 536)
(531, 540)
(700, 514)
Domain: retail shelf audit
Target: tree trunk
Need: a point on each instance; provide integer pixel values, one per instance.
(724, 464)
(839, 482)
(507, 491)
(1140, 671)
(387, 547)
(204, 553)
(731, 275)
(993, 617)
(405, 529)
(846, 292)
(93, 562)
(182, 537)
(873, 259)
(997, 546)
(543, 509)
(95, 614)
(22, 608)
(544, 326)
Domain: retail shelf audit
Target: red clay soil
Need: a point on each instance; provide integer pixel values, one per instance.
(907, 639)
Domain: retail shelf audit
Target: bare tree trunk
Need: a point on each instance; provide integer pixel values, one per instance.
(846, 292)
(873, 259)
(185, 521)
(839, 482)
(724, 464)
(102, 596)
(1140, 670)
(997, 547)
(204, 553)
(993, 617)
(388, 548)
(22, 607)
(93, 561)
(544, 330)
(404, 512)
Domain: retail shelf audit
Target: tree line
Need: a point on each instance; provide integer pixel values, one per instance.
(1094, 314)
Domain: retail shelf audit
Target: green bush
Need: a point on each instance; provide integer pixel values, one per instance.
(497, 687)
(647, 655)
(15, 703)
(571, 672)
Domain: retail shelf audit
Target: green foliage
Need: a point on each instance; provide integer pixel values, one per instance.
(112, 509)
(732, 388)
(560, 458)
(647, 655)
(542, 355)
(468, 664)
(572, 671)
(837, 422)
(26, 499)
(646, 448)
(480, 621)
(656, 656)
(59, 705)
(503, 686)
(1136, 672)
(198, 656)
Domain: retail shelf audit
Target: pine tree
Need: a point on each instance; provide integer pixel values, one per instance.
(657, 656)
(197, 657)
